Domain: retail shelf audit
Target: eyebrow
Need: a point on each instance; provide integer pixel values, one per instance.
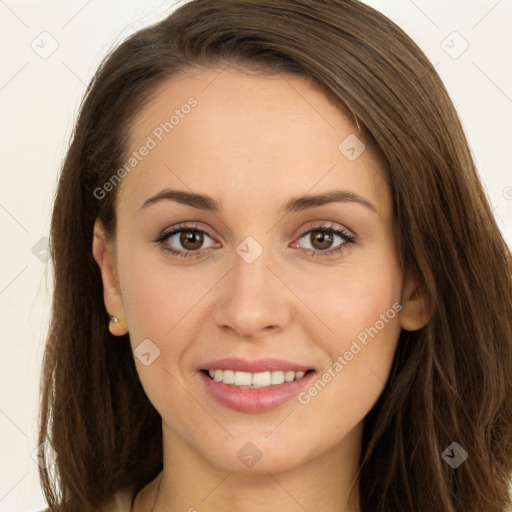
(296, 204)
(199, 201)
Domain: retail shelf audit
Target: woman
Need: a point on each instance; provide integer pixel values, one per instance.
(278, 281)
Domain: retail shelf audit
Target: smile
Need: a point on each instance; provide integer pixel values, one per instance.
(254, 386)
(254, 380)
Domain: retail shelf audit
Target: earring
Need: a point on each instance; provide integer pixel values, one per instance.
(114, 319)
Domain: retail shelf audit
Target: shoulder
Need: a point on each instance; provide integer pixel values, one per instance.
(120, 502)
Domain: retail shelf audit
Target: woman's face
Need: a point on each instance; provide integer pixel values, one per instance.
(255, 276)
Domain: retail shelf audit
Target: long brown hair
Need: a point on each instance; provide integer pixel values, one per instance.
(451, 380)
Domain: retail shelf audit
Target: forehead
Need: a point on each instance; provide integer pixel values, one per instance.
(224, 131)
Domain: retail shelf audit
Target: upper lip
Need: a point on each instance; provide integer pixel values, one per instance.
(255, 366)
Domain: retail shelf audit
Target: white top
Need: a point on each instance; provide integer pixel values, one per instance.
(121, 502)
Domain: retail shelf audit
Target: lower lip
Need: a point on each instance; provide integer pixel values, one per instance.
(255, 400)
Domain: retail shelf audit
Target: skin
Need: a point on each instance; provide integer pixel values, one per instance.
(252, 143)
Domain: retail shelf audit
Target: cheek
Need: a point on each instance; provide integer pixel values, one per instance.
(157, 297)
(162, 304)
(147, 304)
(362, 306)
(364, 300)
(350, 300)
(158, 311)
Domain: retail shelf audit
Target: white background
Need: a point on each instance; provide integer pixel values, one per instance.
(39, 98)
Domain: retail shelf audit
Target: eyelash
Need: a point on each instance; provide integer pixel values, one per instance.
(348, 240)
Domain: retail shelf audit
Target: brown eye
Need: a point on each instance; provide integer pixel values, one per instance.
(321, 239)
(326, 240)
(185, 241)
(192, 240)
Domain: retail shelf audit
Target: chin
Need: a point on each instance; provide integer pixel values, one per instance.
(256, 456)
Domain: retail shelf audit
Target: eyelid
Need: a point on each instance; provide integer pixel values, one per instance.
(183, 226)
(325, 224)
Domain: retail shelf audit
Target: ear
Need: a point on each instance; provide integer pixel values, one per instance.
(105, 256)
(417, 306)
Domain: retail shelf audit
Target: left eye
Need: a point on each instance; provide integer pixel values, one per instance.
(322, 239)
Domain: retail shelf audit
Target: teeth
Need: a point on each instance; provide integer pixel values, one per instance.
(289, 376)
(276, 377)
(228, 376)
(241, 378)
(261, 380)
(254, 380)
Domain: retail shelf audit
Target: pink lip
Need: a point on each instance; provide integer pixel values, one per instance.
(259, 365)
(255, 400)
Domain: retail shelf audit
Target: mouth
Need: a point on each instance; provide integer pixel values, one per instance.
(258, 380)
(254, 386)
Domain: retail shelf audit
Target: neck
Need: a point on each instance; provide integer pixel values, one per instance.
(190, 483)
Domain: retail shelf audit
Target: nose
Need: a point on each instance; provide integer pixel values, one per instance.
(254, 301)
